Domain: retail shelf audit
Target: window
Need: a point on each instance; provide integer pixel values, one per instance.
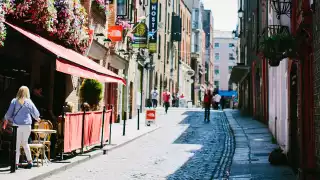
(216, 45)
(216, 84)
(216, 56)
(231, 45)
(159, 46)
(168, 22)
(216, 70)
(160, 12)
(230, 69)
(231, 56)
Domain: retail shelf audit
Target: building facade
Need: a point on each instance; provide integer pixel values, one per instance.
(208, 29)
(277, 89)
(224, 59)
(184, 67)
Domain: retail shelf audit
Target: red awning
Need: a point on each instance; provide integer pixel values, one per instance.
(71, 62)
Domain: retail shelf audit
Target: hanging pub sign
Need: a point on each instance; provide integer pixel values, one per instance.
(121, 9)
(153, 26)
(140, 35)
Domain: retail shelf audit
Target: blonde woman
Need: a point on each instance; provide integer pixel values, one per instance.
(20, 113)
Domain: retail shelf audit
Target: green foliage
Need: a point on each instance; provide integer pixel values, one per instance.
(91, 93)
(278, 47)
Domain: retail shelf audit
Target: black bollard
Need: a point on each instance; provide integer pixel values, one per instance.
(124, 127)
(62, 131)
(82, 138)
(13, 149)
(102, 129)
(110, 124)
(138, 119)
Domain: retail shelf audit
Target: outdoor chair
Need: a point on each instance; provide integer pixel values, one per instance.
(44, 124)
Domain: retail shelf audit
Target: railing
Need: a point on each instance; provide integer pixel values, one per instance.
(84, 129)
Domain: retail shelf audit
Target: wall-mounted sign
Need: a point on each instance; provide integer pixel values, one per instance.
(115, 33)
(153, 26)
(121, 8)
(140, 36)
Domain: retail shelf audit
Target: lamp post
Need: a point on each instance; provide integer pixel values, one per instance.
(240, 13)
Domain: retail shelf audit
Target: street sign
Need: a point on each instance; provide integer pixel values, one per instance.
(150, 116)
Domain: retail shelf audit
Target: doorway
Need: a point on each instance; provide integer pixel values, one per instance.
(294, 147)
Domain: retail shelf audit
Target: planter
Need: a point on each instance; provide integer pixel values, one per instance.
(277, 47)
(274, 63)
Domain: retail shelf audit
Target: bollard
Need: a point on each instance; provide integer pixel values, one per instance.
(13, 149)
(82, 138)
(102, 129)
(138, 119)
(124, 128)
(62, 129)
(110, 124)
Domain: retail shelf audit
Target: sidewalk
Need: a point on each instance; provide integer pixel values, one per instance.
(253, 145)
(117, 140)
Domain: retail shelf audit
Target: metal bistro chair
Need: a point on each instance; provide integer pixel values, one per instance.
(45, 139)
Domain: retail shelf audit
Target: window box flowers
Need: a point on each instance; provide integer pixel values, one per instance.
(61, 21)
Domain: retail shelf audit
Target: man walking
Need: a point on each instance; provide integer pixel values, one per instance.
(154, 95)
(166, 99)
(206, 102)
(217, 99)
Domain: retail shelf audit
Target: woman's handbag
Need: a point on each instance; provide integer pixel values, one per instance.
(6, 125)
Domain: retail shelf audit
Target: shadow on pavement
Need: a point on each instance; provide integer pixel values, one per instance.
(209, 137)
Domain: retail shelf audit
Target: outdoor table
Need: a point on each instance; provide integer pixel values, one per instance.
(42, 140)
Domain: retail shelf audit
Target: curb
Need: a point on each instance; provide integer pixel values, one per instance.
(68, 166)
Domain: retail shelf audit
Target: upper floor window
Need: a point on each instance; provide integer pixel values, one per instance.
(231, 56)
(231, 45)
(216, 83)
(216, 56)
(160, 7)
(216, 70)
(216, 45)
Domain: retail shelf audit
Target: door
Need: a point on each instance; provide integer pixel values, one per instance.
(294, 148)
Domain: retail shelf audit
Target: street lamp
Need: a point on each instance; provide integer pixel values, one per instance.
(233, 34)
(240, 13)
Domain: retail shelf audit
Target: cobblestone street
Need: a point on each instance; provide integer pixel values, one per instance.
(185, 147)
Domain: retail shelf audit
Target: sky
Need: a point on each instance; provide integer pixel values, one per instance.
(225, 13)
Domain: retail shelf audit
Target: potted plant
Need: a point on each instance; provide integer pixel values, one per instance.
(91, 93)
(277, 47)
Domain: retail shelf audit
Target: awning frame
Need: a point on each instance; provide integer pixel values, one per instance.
(70, 58)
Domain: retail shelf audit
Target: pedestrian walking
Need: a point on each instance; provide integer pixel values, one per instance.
(222, 102)
(166, 100)
(217, 99)
(19, 113)
(206, 102)
(154, 96)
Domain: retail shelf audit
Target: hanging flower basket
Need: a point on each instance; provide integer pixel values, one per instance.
(61, 21)
(5, 6)
(277, 47)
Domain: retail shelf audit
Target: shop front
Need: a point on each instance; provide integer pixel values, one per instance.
(36, 62)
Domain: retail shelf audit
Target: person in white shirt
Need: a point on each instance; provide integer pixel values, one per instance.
(216, 99)
(154, 96)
